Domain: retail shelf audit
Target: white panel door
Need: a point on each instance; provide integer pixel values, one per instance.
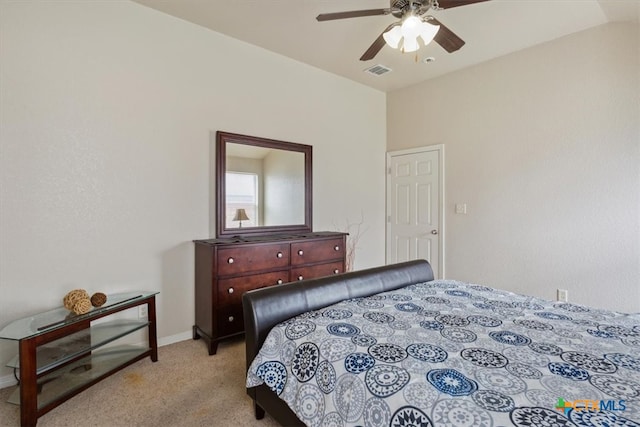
(413, 207)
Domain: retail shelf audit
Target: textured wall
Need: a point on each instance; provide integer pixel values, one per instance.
(544, 147)
(108, 110)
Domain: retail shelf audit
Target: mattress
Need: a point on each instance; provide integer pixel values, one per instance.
(458, 354)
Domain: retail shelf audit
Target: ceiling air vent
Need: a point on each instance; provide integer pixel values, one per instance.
(378, 70)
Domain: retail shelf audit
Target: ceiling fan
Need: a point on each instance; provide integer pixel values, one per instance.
(413, 24)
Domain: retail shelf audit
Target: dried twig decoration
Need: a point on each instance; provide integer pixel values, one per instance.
(355, 231)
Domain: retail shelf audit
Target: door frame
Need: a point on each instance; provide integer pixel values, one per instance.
(439, 148)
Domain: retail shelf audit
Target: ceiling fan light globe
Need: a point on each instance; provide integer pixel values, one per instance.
(428, 32)
(411, 27)
(393, 37)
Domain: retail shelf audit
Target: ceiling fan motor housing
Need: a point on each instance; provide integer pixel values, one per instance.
(400, 7)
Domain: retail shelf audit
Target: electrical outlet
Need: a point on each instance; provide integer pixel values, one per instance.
(461, 208)
(563, 295)
(142, 311)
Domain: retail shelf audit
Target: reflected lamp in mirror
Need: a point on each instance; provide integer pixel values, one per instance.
(240, 216)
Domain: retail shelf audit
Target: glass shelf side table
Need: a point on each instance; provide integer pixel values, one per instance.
(61, 354)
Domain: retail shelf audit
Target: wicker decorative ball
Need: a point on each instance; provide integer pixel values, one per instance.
(98, 299)
(72, 297)
(82, 306)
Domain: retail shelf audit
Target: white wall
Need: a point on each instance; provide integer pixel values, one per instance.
(544, 147)
(107, 116)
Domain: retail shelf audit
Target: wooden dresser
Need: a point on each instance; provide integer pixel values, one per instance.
(228, 267)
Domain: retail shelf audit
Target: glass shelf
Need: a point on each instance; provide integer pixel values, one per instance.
(42, 323)
(61, 353)
(66, 380)
(62, 350)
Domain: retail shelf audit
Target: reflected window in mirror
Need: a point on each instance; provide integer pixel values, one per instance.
(242, 199)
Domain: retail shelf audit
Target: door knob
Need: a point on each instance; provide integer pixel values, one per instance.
(434, 231)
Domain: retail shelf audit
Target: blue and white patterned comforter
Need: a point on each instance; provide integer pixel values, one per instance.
(447, 353)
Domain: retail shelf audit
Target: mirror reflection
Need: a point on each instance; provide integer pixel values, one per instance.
(263, 186)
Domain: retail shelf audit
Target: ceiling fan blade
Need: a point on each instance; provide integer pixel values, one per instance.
(352, 14)
(448, 4)
(377, 45)
(446, 38)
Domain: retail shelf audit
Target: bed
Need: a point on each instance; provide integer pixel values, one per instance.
(391, 346)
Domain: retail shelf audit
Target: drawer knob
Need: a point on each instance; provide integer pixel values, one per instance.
(336, 271)
(279, 282)
(300, 277)
(300, 252)
(336, 248)
(279, 254)
(230, 290)
(231, 319)
(230, 260)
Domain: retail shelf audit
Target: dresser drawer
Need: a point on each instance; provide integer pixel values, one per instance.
(316, 251)
(319, 270)
(230, 320)
(230, 290)
(245, 259)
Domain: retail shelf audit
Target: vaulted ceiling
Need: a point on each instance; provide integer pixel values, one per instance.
(490, 29)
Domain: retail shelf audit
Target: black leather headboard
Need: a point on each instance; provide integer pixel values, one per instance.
(264, 308)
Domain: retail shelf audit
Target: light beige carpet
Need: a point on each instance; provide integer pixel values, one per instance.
(185, 387)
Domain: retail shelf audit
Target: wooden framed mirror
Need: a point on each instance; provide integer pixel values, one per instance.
(263, 186)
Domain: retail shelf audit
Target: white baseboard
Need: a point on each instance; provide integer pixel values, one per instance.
(9, 380)
(172, 339)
